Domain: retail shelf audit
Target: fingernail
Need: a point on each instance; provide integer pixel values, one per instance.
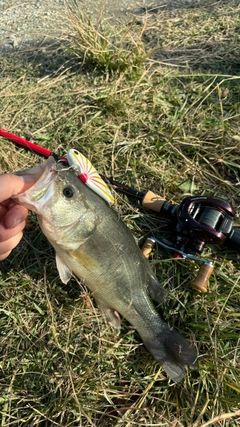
(27, 179)
(16, 223)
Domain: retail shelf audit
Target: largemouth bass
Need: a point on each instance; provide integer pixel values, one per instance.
(92, 242)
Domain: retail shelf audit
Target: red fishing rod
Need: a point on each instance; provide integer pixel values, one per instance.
(28, 144)
(46, 153)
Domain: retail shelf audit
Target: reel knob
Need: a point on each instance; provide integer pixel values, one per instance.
(200, 283)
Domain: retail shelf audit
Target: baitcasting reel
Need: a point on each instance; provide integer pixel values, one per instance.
(198, 221)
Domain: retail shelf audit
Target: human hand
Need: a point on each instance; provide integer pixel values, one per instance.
(13, 217)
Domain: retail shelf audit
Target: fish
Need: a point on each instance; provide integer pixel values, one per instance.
(92, 242)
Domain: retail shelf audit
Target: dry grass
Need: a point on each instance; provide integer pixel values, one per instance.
(103, 47)
(172, 128)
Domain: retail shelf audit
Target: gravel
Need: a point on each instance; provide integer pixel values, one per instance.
(27, 21)
(24, 22)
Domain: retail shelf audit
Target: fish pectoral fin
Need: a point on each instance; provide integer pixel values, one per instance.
(156, 290)
(64, 272)
(85, 260)
(111, 315)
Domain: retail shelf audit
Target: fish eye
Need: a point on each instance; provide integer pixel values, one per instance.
(68, 192)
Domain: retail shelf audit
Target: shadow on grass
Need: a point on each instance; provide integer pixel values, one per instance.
(40, 59)
(50, 59)
(174, 5)
(211, 57)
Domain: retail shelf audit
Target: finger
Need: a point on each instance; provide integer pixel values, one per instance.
(5, 255)
(7, 233)
(3, 211)
(15, 216)
(12, 184)
(6, 247)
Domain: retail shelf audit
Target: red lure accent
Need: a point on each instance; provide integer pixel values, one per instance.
(83, 177)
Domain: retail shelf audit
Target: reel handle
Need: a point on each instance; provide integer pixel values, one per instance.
(200, 283)
(147, 247)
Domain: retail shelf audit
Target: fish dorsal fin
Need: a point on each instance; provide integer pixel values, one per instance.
(88, 174)
(155, 289)
(111, 315)
(64, 272)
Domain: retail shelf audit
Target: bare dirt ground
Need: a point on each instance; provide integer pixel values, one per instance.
(25, 22)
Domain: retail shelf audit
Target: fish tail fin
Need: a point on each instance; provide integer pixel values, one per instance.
(173, 352)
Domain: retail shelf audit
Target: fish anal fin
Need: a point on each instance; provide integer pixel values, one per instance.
(85, 260)
(64, 272)
(111, 315)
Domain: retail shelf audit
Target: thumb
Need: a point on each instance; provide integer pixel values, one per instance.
(10, 185)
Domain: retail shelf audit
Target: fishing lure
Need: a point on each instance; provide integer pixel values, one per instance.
(88, 174)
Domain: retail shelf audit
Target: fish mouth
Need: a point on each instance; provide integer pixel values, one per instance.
(43, 175)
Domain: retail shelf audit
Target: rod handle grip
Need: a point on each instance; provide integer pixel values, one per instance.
(200, 283)
(147, 247)
(233, 241)
(152, 201)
